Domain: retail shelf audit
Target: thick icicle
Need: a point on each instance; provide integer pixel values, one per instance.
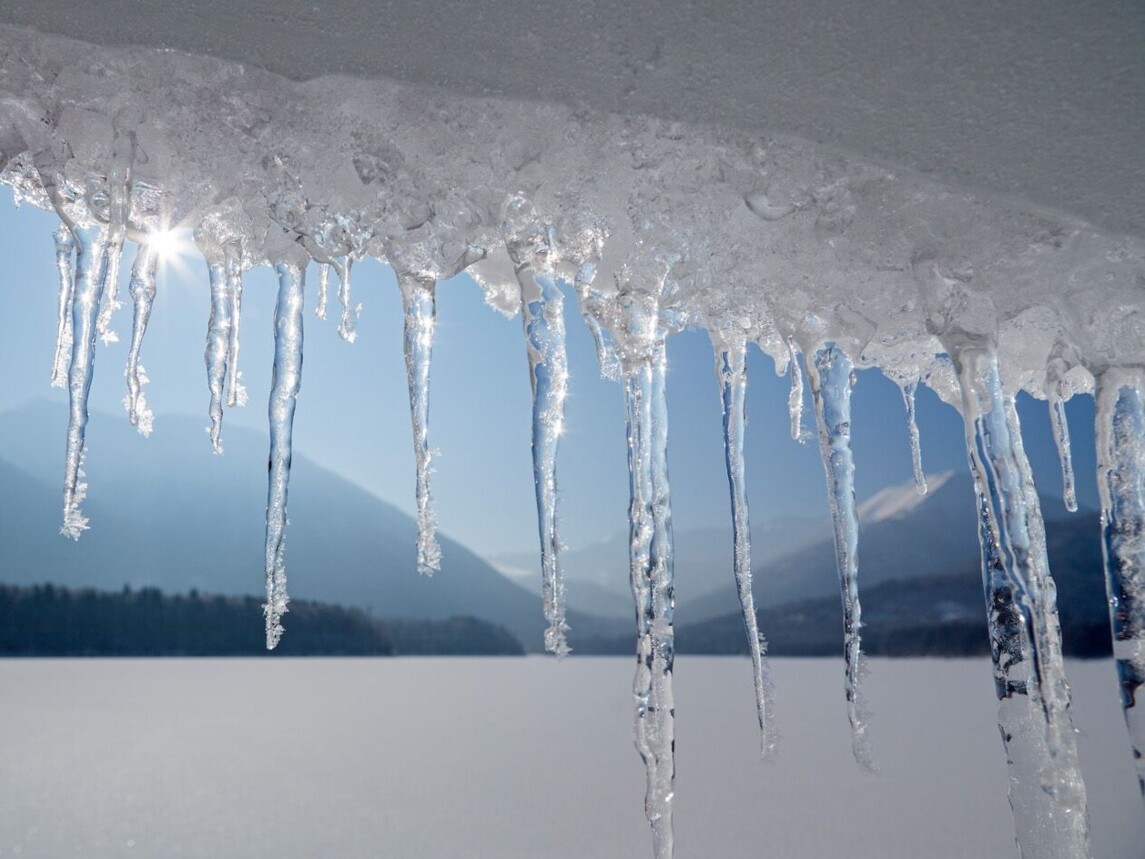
(218, 349)
(542, 312)
(232, 255)
(285, 383)
(89, 286)
(1121, 482)
(142, 290)
(731, 371)
(1047, 792)
(65, 247)
(795, 396)
(650, 558)
(348, 326)
(116, 232)
(908, 395)
(831, 380)
(420, 311)
(323, 289)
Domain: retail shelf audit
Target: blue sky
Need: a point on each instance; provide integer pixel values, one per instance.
(353, 411)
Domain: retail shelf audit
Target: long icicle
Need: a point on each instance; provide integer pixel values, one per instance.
(1047, 790)
(232, 256)
(731, 372)
(116, 233)
(651, 562)
(795, 395)
(831, 380)
(142, 290)
(218, 347)
(323, 289)
(65, 248)
(909, 390)
(542, 313)
(89, 285)
(1121, 482)
(285, 384)
(420, 315)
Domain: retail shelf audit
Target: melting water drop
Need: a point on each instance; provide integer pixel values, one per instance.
(420, 315)
(831, 382)
(731, 372)
(908, 394)
(285, 384)
(1121, 483)
(142, 290)
(1047, 791)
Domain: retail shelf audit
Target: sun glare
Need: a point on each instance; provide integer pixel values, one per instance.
(166, 243)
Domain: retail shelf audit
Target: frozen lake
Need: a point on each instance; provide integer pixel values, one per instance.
(513, 758)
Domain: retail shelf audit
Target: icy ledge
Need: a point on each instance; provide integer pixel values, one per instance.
(823, 260)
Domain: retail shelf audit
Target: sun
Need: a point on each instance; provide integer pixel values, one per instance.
(167, 244)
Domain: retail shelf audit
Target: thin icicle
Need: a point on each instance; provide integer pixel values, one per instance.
(590, 307)
(142, 290)
(323, 289)
(1047, 790)
(1121, 482)
(1061, 440)
(217, 351)
(795, 396)
(285, 384)
(651, 562)
(731, 372)
(542, 313)
(232, 255)
(831, 381)
(908, 394)
(89, 286)
(65, 247)
(420, 313)
(116, 233)
(348, 326)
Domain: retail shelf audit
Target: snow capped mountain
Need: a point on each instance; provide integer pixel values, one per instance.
(898, 502)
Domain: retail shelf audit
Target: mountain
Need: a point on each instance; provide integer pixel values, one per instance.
(167, 513)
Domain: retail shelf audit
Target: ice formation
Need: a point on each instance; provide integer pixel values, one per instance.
(656, 224)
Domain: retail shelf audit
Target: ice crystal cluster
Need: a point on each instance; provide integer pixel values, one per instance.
(823, 260)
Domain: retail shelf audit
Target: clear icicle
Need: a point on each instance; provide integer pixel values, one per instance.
(323, 289)
(831, 381)
(1061, 440)
(116, 233)
(142, 290)
(590, 306)
(651, 562)
(232, 255)
(1121, 482)
(542, 312)
(89, 285)
(348, 326)
(65, 247)
(731, 372)
(795, 396)
(218, 349)
(285, 383)
(1047, 790)
(908, 395)
(420, 313)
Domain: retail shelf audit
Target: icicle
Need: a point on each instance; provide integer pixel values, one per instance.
(1121, 482)
(795, 396)
(420, 311)
(650, 558)
(731, 372)
(284, 387)
(590, 301)
(908, 394)
(65, 246)
(116, 232)
(831, 380)
(1057, 392)
(218, 346)
(542, 312)
(323, 289)
(142, 290)
(232, 255)
(89, 286)
(348, 327)
(1047, 790)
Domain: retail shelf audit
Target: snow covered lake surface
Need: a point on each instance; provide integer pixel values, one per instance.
(515, 758)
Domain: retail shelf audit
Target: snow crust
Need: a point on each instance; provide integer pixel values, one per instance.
(754, 236)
